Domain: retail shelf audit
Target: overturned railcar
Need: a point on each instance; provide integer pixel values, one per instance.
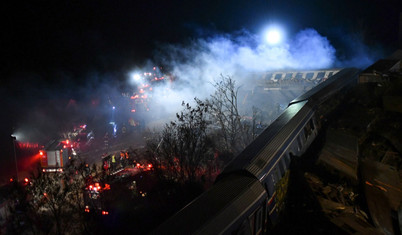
(248, 195)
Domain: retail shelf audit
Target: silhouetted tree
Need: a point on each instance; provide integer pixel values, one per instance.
(184, 148)
(51, 203)
(58, 196)
(233, 133)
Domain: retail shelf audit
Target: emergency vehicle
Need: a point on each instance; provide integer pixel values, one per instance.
(94, 199)
(55, 155)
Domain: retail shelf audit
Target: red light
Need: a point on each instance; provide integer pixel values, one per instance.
(45, 194)
(138, 165)
(64, 146)
(149, 165)
(133, 110)
(105, 212)
(67, 141)
(11, 179)
(26, 180)
(90, 187)
(86, 209)
(41, 152)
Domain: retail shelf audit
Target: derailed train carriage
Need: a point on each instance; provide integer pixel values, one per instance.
(248, 195)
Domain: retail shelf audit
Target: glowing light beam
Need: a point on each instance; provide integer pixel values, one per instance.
(274, 35)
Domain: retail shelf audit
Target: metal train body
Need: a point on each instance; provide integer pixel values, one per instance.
(249, 193)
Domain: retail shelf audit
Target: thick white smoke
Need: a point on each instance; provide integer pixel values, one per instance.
(198, 65)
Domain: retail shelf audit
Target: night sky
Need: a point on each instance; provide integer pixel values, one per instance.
(79, 36)
(57, 45)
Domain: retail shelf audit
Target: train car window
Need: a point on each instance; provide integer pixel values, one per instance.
(268, 76)
(287, 159)
(278, 76)
(299, 76)
(330, 74)
(306, 132)
(299, 144)
(270, 187)
(251, 219)
(274, 178)
(307, 129)
(276, 175)
(258, 221)
(288, 76)
(320, 75)
(285, 166)
(309, 76)
(311, 124)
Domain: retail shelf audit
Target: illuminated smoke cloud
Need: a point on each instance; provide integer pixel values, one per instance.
(198, 65)
(311, 51)
(195, 67)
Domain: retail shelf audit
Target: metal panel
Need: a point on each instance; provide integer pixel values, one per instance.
(51, 158)
(277, 146)
(217, 209)
(58, 158)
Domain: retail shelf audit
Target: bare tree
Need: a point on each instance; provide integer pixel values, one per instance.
(234, 134)
(58, 197)
(184, 148)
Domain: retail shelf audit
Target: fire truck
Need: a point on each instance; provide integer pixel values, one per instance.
(55, 155)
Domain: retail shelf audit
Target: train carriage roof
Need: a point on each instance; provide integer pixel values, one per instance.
(215, 209)
(275, 134)
(324, 89)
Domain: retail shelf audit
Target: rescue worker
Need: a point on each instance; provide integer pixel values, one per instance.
(113, 162)
(126, 158)
(122, 159)
(106, 167)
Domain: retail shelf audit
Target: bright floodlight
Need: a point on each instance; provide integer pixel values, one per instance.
(136, 77)
(274, 35)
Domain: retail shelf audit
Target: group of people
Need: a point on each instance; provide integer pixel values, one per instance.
(114, 162)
